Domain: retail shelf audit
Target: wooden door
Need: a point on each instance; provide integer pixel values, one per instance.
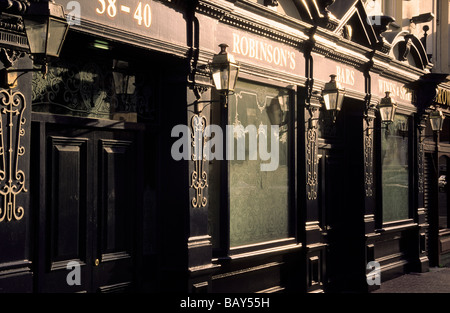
(85, 195)
(331, 190)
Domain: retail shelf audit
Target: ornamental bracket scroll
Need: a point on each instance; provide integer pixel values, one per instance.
(369, 118)
(12, 179)
(199, 177)
(312, 153)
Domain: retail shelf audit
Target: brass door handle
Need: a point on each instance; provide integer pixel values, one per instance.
(97, 262)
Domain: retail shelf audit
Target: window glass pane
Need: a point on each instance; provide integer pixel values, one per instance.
(443, 192)
(91, 88)
(395, 170)
(258, 171)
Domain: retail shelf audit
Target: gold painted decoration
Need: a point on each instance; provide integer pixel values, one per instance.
(12, 179)
(312, 163)
(199, 177)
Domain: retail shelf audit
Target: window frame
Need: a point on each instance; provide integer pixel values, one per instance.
(224, 248)
(382, 225)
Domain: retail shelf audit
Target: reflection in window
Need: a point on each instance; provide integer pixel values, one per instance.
(395, 170)
(106, 89)
(443, 192)
(258, 196)
(258, 199)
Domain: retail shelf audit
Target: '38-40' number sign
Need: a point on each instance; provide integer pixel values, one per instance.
(142, 12)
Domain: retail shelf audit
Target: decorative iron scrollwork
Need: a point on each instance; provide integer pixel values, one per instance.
(12, 179)
(199, 177)
(312, 163)
(368, 164)
(312, 151)
(420, 162)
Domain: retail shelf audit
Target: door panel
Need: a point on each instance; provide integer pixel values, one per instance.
(68, 201)
(66, 212)
(116, 215)
(115, 191)
(89, 208)
(331, 201)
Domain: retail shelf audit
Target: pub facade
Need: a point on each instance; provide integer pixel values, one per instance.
(123, 175)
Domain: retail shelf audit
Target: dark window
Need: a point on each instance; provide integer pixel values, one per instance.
(395, 170)
(258, 168)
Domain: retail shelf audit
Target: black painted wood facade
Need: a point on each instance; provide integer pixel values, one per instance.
(105, 192)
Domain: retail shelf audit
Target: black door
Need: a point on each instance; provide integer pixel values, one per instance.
(86, 208)
(331, 189)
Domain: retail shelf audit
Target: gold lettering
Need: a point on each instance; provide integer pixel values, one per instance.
(269, 53)
(252, 48)
(284, 57)
(236, 43)
(244, 40)
(276, 56)
(292, 57)
(443, 97)
(263, 48)
(338, 73)
(345, 75)
(395, 89)
(260, 50)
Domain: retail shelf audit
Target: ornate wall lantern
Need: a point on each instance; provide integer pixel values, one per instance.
(333, 96)
(437, 120)
(224, 70)
(46, 28)
(387, 108)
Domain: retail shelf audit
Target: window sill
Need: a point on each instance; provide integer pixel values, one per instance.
(261, 249)
(444, 232)
(397, 226)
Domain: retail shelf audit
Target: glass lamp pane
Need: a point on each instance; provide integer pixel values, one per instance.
(234, 70)
(340, 100)
(131, 84)
(216, 76)
(330, 101)
(436, 123)
(57, 33)
(224, 78)
(386, 113)
(437, 120)
(37, 35)
(119, 82)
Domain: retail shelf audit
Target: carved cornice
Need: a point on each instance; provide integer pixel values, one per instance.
(14, 7)
(12, 32)
(326, 43)
(227, 16)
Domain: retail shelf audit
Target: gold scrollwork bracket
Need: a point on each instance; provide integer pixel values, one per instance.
(12, 179)
(199, 177)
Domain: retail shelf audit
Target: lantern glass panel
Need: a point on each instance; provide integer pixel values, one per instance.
(387, 113)
(234, 71)
(217, 75)
(56, 35)
(340, 100)
(436, 121)
(37, 35)
(330, 100)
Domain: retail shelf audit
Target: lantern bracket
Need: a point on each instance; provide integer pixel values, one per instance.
(9, 75)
